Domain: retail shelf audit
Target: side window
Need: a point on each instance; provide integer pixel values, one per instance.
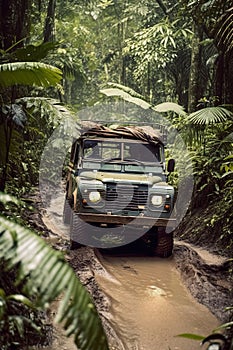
(74, 152)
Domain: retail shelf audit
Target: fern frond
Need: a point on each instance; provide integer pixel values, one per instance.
(6, 198)
(46, 274)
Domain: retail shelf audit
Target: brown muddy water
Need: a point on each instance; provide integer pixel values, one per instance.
(150, 305)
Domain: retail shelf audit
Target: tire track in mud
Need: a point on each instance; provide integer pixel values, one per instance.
(207, 276)
(86, 265)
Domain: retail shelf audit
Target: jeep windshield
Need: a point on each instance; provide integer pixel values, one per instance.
(122, 155)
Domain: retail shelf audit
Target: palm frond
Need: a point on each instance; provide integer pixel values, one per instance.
(224, 34)
(45, 275)
(132, 96)
(209, 115)
(126, 89)
(126, 96)
(29, 73)
(169, 107)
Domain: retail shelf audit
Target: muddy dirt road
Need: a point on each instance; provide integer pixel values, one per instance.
(144, 302)
(150, 305)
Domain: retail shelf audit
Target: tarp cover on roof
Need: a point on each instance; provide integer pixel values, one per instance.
(144, 133)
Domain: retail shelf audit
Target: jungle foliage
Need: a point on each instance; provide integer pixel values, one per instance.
(159, 54)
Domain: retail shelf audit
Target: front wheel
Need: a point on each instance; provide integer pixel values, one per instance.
(76, 231)
(162, 243)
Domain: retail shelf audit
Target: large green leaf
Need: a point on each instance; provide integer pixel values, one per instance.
(32, 53)
(29, 73)
(45, 275)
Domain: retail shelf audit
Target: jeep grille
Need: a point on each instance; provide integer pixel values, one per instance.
(126, 197)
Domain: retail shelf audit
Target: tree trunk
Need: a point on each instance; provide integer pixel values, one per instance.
(15, 22)
(7, 129)
(162, 6)
(49, 30)
(195, 86)
(223, 78)
(219, 78)
(228, 78)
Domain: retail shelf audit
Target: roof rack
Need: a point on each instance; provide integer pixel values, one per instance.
(162, 128)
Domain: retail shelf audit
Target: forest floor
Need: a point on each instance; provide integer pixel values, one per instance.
(207, 276)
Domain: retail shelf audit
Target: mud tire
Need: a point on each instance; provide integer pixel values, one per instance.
(67, 211)
(76, 231)
(163, 246)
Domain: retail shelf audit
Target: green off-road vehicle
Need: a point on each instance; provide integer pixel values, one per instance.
(116, 189)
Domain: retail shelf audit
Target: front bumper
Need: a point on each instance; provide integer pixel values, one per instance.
(127, 220)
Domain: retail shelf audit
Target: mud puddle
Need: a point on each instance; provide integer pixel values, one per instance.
(150, 305)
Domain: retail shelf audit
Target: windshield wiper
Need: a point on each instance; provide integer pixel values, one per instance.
(132, 160)
(110, 160)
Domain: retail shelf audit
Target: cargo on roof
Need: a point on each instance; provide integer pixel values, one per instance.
(143, 133)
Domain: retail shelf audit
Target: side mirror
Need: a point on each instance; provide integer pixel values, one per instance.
(74, 172)
(171, 165)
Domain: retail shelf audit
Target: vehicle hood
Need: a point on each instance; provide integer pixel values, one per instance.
(104, 177)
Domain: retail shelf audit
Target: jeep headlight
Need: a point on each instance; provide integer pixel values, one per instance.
(156, 200)
(94, 196)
